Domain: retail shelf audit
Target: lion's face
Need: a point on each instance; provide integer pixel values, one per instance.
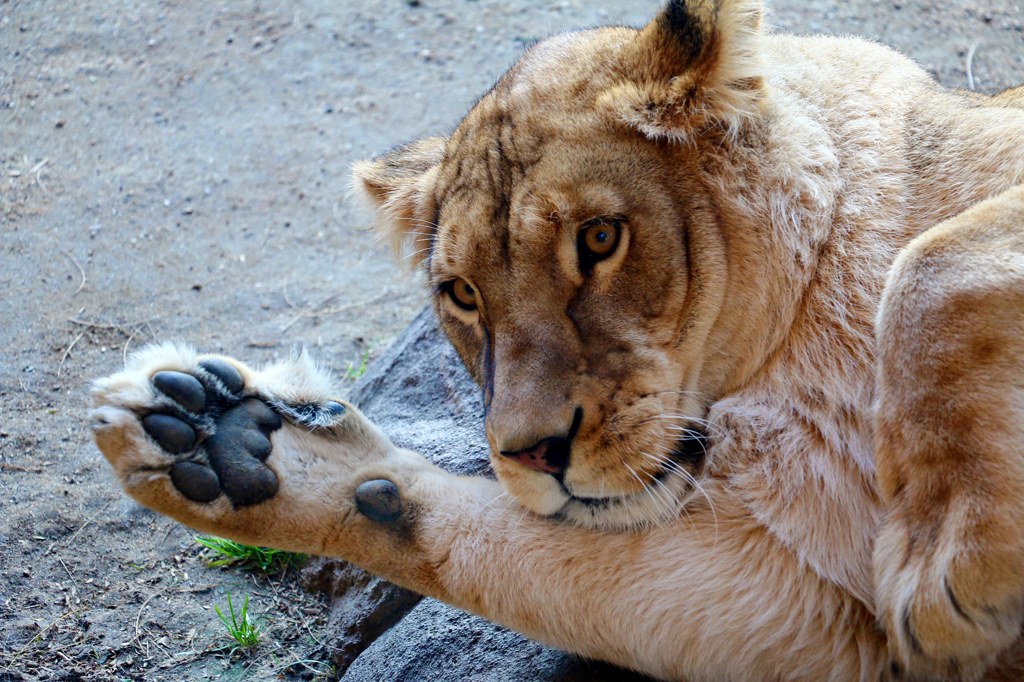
(579, 266)
(564, 286)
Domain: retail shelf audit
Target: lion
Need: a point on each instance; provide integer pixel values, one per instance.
(747, 312)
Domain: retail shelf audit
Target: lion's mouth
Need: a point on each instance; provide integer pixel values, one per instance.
(669, 486)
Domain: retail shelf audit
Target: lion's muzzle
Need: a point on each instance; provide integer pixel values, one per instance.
(549, 455)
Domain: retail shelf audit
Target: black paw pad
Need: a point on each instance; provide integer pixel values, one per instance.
(256, 444)
(239, 448)
(195, 481)
(173, 435)
(183, 389)
(228, 375)
(379, 501)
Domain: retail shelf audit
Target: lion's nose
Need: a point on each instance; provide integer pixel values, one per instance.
(548, 455)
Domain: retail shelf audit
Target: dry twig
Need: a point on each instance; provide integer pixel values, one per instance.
(95, 325)
(37, 170)
(124, 353)
(68, 571)
(80, 270)
(17, 468)
(80, 529)
(138, 633)
(14, 109)
(39, 637)
(308, 310)
(138, 618)
(67, 352)
(312, 311)
(970, 61)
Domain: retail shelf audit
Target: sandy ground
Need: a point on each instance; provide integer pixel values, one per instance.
(179, 169)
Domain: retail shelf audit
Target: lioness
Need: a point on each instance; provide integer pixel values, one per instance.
(748, 315)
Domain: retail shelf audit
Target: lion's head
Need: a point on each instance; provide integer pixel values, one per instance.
(581, 258)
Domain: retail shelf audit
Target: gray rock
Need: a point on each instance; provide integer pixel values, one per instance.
(420, 393)
(436, 643)
(363, 607)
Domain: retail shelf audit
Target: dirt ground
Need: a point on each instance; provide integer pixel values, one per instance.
(179, 169)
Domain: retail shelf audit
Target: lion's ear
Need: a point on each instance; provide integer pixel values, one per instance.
(698, 64)
(398, 185)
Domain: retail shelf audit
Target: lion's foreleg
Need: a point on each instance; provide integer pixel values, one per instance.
(269, 458)
(949, 562)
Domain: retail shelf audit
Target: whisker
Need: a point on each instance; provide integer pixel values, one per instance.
(642, 484)
(672, 496)
(494, 500)
(697, 486)
(674, 467)
(714, 429)
(703, 400)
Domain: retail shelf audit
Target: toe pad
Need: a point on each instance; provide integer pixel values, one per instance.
(173, 435)
(195, 481)
(228, 375)
(182, 388)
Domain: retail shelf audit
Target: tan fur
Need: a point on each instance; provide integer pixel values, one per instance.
(800, 275)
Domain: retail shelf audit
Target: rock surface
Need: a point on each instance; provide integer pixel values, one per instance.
(421, 395)
(436, 643)
(363, 607)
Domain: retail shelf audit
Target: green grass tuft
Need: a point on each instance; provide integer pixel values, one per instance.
(240, 627)
(269, 561)
(352, 372)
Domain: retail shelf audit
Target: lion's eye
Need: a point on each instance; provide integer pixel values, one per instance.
(597, 241)
(462, 293)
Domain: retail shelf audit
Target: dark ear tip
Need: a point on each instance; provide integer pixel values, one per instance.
(688, 31)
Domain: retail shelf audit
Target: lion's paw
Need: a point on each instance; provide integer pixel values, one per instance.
(204, 422)
(948, 605)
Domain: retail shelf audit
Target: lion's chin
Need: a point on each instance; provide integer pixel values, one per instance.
(540, 493)
(544, 496)
(631, 511)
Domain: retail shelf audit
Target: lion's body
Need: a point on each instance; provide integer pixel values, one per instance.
(748, 196)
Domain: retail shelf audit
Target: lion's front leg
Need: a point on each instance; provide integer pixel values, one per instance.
(263, 457)
(949, 562)
(270, 458)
